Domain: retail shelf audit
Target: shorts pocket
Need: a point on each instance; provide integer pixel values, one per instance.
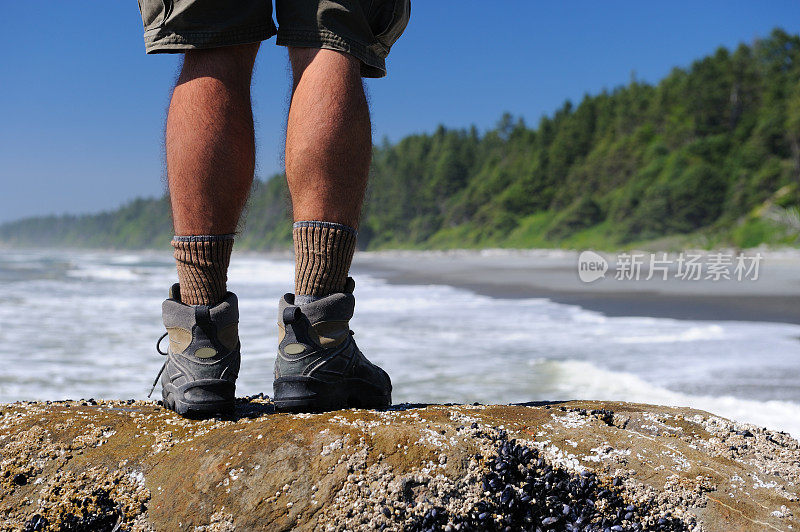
(388, 20)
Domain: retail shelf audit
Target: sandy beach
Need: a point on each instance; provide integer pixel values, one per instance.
(553, 274)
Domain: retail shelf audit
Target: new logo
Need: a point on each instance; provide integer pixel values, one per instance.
(591, 266)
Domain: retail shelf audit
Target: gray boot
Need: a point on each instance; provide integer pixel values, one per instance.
(319, 366)
(198, 378)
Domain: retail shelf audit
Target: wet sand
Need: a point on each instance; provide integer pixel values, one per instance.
(553, 274)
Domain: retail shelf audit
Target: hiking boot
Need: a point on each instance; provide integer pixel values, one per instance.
(198, 378)
(319, 366)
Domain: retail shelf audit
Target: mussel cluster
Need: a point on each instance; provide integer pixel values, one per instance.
(97, 513)
(523, 492)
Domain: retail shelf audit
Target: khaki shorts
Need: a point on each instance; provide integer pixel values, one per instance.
(366, 29)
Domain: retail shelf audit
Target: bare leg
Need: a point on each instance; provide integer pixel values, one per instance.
(210, 142)
(328, 137)
(328, 149)
(210, 164)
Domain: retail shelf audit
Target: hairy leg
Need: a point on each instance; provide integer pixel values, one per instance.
(328, 137)
(210, 164)
(328, 149)
(209, 140)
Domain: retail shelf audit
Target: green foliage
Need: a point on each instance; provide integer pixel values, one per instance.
(692, 159)
(581, 214)
(142, 223)
(752, 232)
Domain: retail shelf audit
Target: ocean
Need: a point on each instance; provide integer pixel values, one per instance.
(84, 324)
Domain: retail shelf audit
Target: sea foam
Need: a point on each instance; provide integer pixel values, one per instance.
(84, 324)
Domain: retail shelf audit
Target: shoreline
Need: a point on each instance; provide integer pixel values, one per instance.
(552, 274)
(509, 274)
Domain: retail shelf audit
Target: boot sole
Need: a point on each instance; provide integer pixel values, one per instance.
(307, 394)
(175, 400)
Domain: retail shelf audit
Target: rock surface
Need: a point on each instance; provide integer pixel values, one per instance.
(117, 465)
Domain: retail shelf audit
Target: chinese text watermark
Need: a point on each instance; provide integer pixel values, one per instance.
(685, 266)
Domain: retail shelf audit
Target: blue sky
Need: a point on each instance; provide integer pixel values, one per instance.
(82, 107)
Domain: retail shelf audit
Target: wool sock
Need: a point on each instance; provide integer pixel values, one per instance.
(323, 252)
(202, 263)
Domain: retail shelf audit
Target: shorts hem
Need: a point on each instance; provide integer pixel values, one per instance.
(372, 65)
(162, 40)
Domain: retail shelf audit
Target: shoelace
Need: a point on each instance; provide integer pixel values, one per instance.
(164, 365)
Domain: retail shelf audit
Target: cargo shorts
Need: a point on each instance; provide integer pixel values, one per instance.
(366, 29)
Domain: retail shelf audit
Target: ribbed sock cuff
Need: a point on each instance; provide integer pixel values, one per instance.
(323, 252)
(202, 263)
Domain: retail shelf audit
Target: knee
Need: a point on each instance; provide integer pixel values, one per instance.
(231, 64)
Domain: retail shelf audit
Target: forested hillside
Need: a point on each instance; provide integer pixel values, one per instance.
(710, 155)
